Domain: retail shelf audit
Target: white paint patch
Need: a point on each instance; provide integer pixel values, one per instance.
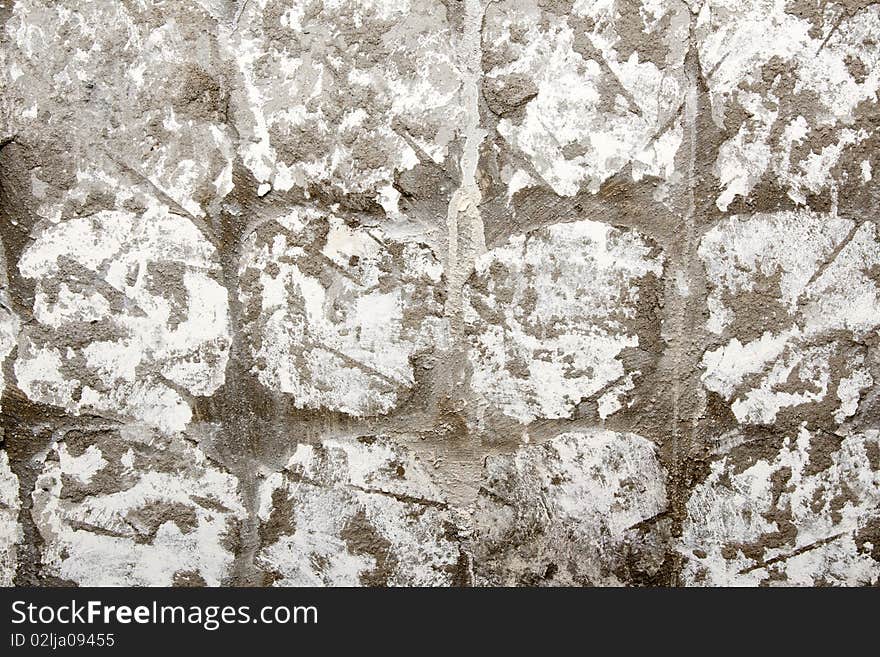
(82, 467)
(797, 86)
(849, 392)
(10, 530)
(9, 324)
(594, 109)
(341, 312)
(781, 521)
(548, 315)
(130, 317)
(174, 516)
(612, 401)
(808, 277)
(356, 512)
(727, 366)
(518, 180)
(566, 512)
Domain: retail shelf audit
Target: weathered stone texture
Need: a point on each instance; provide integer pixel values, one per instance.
(129, 507)
(339, 313)
(435, 293)
(129, 317)
(11, 531)
(572, 511)
(809, 515)
(358, 511)
(550, 315)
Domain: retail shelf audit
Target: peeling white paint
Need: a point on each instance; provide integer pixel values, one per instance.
(594, 112)
(176, 141)
(9, 324)
(547, 315)
(567, 512)
(805, 71)
(341, 312)
(344, 495)
(295, 127)
(10, 530)
(347, 161)
(743, 530)
(177, 515)
(809, 273)
(136, 301)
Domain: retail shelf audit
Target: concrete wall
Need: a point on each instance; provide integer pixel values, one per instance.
(439, 292)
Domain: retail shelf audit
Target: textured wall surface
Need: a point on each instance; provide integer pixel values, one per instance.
(440, 292)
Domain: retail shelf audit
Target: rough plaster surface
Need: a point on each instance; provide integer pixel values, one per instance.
(440, 292)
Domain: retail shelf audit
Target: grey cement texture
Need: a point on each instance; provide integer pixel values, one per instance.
(440, 292)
